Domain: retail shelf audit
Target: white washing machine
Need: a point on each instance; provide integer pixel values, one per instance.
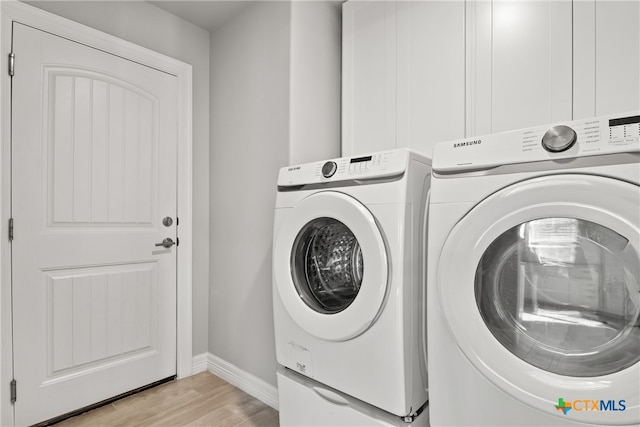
(534, 277)
(348, 267)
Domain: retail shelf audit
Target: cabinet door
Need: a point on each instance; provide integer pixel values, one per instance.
(431, 79)
(519, 70)
(606, 57)
(369, 76)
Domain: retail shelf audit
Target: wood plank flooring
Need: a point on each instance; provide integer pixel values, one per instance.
(200, 400)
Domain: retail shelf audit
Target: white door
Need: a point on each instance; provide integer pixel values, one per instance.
(546, 303)
(94, 174)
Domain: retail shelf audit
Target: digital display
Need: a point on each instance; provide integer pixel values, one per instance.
(360, 159)
(624, 121)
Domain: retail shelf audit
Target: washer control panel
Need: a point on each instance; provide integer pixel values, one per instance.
(589, 137)
(378, 165)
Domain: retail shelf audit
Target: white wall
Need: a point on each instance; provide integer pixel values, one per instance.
(146, 25)
(249, 143)
(275, 100)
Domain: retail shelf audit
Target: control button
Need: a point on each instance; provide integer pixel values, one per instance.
(559, 138)
(329, 169)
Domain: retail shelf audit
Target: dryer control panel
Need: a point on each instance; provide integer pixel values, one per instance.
(580, 138)
(383, 164)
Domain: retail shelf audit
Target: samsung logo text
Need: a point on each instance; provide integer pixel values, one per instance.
(467, 143)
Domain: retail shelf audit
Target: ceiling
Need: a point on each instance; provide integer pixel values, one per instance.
(207, 14)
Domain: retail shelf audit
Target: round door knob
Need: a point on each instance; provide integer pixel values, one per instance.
(559, 138)
(329, 169)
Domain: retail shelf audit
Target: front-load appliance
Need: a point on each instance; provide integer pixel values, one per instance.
(348, 267)
(306, 402)
(533, 276)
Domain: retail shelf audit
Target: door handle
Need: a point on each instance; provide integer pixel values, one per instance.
(330, 396)
(167, 243)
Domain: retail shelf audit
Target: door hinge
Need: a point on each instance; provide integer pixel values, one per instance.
(14, 392)
(12, 64)
(10, 229)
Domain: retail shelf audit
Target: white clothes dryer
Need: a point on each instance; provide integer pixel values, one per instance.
(534, 277)
(348, 267)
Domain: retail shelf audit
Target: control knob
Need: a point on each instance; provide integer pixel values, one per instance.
(559, 138)
(329, 169)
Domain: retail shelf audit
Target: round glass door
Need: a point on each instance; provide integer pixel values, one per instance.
(327, 265)
(563, 295)
(330, 265)
(540, 286)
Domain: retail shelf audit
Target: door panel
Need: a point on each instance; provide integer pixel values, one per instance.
(95, 314)
(101, 150)
(94, 172)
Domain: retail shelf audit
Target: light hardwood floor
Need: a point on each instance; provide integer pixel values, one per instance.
(200, 400)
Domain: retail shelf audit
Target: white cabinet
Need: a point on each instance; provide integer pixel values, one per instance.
(403, 74)
(606, 57)
(368, 76)
(536, 62)
(518, 64)
(430, 85)
(419, 72)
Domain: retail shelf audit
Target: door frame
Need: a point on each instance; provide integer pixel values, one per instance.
(13, 10)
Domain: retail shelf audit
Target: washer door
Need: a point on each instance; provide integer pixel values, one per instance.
(330, 266)
(540, 284)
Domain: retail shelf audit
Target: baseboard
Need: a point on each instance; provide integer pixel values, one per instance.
(199, 364)
(245, 381)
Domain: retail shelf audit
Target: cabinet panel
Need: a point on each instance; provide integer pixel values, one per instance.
(519, 62)
(431, 73)
(584, 59)
(606, 57)
(617, 70)
(478, 48)
(403, 74)
(419, 72)
(369, 76)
